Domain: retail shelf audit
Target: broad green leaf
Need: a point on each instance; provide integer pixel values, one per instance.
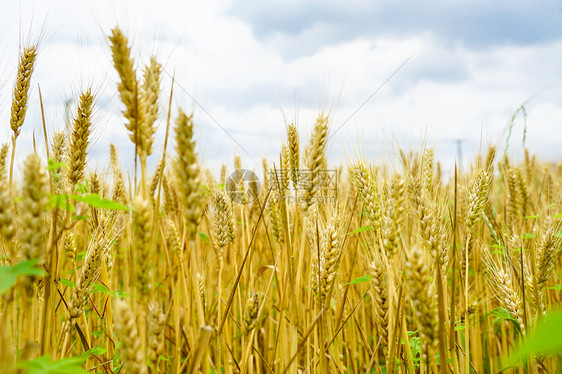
(9, 274)
(364, 278)
(67, 282)
(96, 201)
(96, 351)
(558, 287)
(61, 202)
(100, 288)
(546, 339)
(44, 365)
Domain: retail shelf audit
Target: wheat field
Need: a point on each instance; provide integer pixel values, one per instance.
(365, 267)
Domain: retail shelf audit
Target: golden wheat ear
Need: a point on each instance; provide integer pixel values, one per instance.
(250, 314)
(156, 326)
(128, 84)
(187, 170)
(21, 89)
(33, 211)
(222, 221)
(132, 355)
(315, 158)
(3, 162)
(149, 96)
(421, 293)
(367, 190)
(379, 272)
(142, 227)
(294, 153)
(7, 227)
(20, 98)
(81, 129)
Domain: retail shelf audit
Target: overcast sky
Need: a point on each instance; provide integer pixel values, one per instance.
(247, 67)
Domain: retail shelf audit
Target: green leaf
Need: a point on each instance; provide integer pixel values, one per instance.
(205, 190)
(96, 351)
(412, 333)
(67, 282)
(96, 201)
(528, 236)
(558, 287)
(61, 202)
(113, 293)
(361, 229)
(544, 340)
(120, 294)
(204, 237)
(163, 358)
(53, 166)
(364, 278)
(532, 217)
(9, 274)
(459, 327)
(100, 288)
(501, 313)
(44, 365)
(83, 188)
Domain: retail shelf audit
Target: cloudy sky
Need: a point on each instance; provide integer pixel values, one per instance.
(245, 68)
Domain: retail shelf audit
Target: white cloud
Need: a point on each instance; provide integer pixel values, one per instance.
(447, 90)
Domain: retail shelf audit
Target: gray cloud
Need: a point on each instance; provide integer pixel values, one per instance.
(471, 23)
